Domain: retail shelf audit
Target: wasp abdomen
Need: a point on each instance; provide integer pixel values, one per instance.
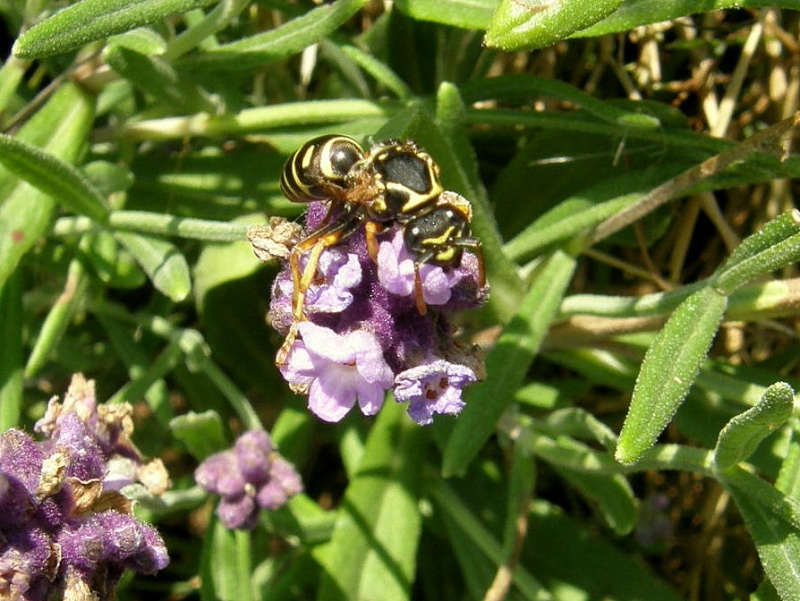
(317, 171)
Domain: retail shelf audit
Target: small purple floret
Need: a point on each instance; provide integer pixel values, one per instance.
(249, 477)
(338, 370)
(432, 388)
(396, 273)
(332, 291)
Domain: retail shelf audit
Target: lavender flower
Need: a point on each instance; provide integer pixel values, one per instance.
(431, 388)
(249, 477)
(339, 274)
(393, 256)
(377, 339)
(338, 370)
(62, 533)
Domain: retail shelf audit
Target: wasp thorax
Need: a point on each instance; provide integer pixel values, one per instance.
(409, 180)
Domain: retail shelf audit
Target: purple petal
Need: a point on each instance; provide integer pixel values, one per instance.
(370, 398)
(239, 513)
(330, 399)
(369, 359)
(396, 273)
(299, 367)
(324, 343)
(252, 451)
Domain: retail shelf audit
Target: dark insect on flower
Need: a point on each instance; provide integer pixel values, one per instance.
(364, 296)
(394, 183)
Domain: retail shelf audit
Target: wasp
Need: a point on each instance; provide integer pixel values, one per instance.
(393, 182)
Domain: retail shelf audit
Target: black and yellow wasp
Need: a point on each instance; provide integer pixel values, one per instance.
(392, 183)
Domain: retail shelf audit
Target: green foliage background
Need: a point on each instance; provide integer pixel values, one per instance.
(632, 171)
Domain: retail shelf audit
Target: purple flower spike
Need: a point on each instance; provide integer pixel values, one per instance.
(393, 258)
(249, 477)
(338, 370)
(396, 273)
(433, 388)
(63, 533)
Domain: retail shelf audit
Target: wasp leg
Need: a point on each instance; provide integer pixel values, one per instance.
(371, 231)
(478, 252)
(422, 307)
(283, 351)
(314, 244)
(301, 283)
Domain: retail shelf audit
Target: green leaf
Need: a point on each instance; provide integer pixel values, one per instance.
(60, 128)
(162, 261)
(142, 40)
(567, 220)
(578, 423)
(157, 77)
(226, 565)
(468, 14)
(788, 481)
(765, 592)
(221, 280)
(372, 554)
(11, 74)
(742, 434)
(538, 23)
(588, 470)
(90, 20)
(202, 433)
(520, 90)
(775, 246)
(59, 317)
(477, 543)
(281, 42)
(772, 521)
(634, 13)
(668, 370)
(112, 264)
(611, 493)
(107, 177)
(508, 363)
(11, 328)
(581, 565)
(313, 112)
(520, 491)
(54, 177)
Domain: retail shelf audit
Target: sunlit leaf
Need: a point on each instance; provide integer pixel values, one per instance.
(508, 362)
(740, 437)
(529, 24)
(668, 370)
(90, 20)
(61, 129)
